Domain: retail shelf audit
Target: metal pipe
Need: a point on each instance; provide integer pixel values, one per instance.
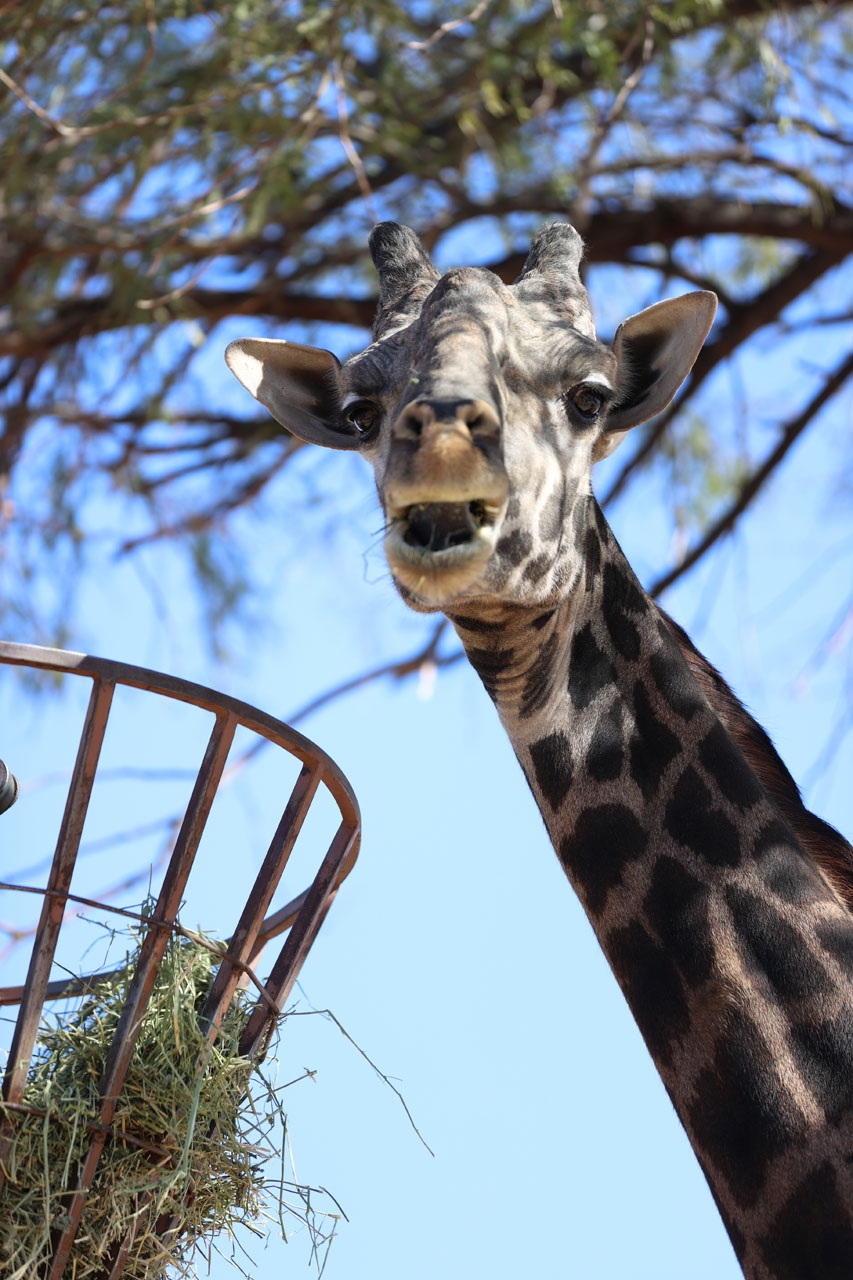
(8, 788)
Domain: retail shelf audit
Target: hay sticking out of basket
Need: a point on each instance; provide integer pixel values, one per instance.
(193, 1143)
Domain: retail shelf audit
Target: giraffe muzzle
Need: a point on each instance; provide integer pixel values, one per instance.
(445, 494)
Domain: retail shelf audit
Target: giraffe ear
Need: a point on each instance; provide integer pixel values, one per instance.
(655, 350)
(299, 386)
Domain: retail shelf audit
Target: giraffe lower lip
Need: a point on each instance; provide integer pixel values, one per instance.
(436, 550)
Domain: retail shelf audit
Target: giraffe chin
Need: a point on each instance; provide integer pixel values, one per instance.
(433, 578)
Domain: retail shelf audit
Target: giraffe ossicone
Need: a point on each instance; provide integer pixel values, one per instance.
(723, 905)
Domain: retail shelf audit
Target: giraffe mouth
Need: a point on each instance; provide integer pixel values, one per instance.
(436, 549)
(437, 526)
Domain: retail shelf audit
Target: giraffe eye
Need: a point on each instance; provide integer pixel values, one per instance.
(363, 416)
(587, 401)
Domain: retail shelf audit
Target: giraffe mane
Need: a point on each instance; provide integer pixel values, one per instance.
(826, 847)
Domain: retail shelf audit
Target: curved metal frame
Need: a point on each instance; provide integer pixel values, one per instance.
(303, 916)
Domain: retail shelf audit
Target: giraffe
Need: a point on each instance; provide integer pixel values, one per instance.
(722, 904)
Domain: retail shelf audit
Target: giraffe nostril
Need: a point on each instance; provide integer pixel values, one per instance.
(411, 422)
(479, 418)
(447, 416)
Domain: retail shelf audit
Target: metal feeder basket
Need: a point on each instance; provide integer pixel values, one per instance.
(233, 970)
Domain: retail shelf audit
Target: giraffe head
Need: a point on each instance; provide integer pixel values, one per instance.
(481, 408)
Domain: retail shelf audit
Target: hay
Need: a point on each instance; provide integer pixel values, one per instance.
(204, 1128)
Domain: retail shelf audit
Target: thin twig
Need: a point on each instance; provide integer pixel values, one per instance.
(148, 304)
(348, 144)
(327, 1013)
(64, 130)
(75, 133)
(447, 27)
(582, 203)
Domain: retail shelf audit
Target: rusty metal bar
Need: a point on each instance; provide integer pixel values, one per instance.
(292, 955)
(53, 906)
(317, 901)
(117, 1267)
(151, 953)
(242, 945)
(243, 948)
(168, 904)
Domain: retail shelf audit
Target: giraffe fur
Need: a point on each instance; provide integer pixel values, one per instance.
(722, 905)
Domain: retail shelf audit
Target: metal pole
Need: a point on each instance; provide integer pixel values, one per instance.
(8, 788)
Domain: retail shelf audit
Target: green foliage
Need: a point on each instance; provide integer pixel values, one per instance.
(702, 473)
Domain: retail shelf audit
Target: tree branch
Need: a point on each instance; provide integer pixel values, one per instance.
(744, 319)
(748, 490)
(610, 237)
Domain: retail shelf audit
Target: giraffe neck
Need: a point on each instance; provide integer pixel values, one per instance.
(733, 948)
